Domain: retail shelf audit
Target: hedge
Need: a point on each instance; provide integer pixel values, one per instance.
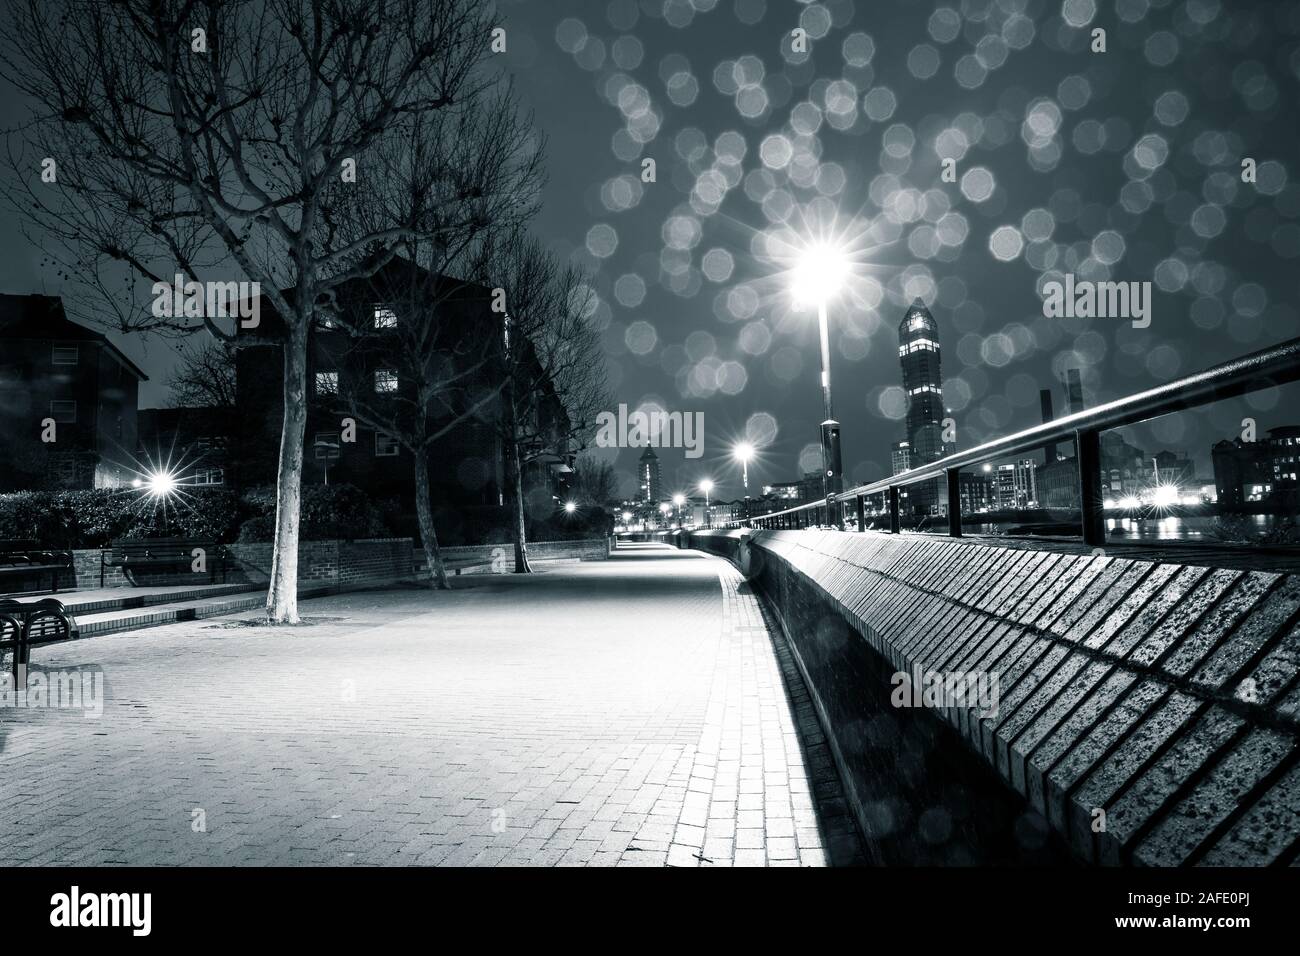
(326, 512)
(93, 518)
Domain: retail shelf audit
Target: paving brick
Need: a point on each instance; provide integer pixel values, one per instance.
(503, 723)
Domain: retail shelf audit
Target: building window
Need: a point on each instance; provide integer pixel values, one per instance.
(385, 445)
(65, 413)
(326, 446)
(385, 380)
(385, 318)
(327, 383)
(209, 476)
(65, 355)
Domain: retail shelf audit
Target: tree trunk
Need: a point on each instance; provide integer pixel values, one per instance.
(516, 479)
(282, 595)
(424, 513)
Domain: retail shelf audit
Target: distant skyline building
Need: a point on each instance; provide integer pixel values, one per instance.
(650, 475)
(918, 353)
(1258, 475)
(900, 457)
(1073, 392)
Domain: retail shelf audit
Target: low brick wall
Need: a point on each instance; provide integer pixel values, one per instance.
(319, 562)
(1150, 711)
(343, 563)
(503, 555)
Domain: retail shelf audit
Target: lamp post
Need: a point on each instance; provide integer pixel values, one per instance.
(743, 452)
(706, 486)
(161, 485)
(679, 499)
(819, 274)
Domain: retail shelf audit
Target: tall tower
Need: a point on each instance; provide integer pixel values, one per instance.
(648, 472)
(918, 353)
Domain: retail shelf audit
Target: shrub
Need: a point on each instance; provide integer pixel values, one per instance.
(92, 518)
(326, 512)
(257, 529)
(338, 511)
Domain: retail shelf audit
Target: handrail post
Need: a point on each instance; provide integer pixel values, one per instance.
(954, 502)
(894, 523)
(862, 523)
(1090, 491)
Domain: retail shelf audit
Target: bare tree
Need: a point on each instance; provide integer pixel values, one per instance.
(204, 375)
(431, 336)
(211, 139)
(594, 482)
(553, 370)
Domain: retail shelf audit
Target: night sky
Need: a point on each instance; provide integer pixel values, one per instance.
(1123, 165)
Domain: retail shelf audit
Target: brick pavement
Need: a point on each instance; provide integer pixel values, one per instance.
(629, 712)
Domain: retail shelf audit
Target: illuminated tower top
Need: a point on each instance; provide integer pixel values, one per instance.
(918, 352)
(651, 480)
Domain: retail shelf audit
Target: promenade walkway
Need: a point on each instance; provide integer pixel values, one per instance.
(625, 712)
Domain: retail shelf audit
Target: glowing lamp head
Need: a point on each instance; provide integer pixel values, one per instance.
(665, 507)
(820, 273)
(570, 507)
(744, 452)
(627, 516)
(160, 483)
(679, 500)
(1166, 496)
(706, 486)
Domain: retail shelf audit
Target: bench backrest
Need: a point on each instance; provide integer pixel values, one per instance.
(160, 548)
(45, 620)
(32, 555)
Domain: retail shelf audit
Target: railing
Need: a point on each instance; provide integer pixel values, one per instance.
(1263, 369)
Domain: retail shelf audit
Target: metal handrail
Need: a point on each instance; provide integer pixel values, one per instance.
(1263, 369)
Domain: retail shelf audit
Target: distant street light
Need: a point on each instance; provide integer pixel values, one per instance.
(570, 507)
(679, 499)
(706, 486)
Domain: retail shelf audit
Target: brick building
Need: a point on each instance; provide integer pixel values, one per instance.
(365, 361)
(60, 379)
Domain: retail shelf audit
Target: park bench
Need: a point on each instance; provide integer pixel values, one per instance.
(24, 625)
(161, 554)
(26, 559)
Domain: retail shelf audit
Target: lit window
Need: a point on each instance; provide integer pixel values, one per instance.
(209, 476)
(64, 355)
(385, 445)
(327, 383)
(385, 380)
(385, 318)
(65, 413)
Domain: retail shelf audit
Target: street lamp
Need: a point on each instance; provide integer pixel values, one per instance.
(743, 452)
(818, 276)
(679, 500)
(706, 486)
(160, 484)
